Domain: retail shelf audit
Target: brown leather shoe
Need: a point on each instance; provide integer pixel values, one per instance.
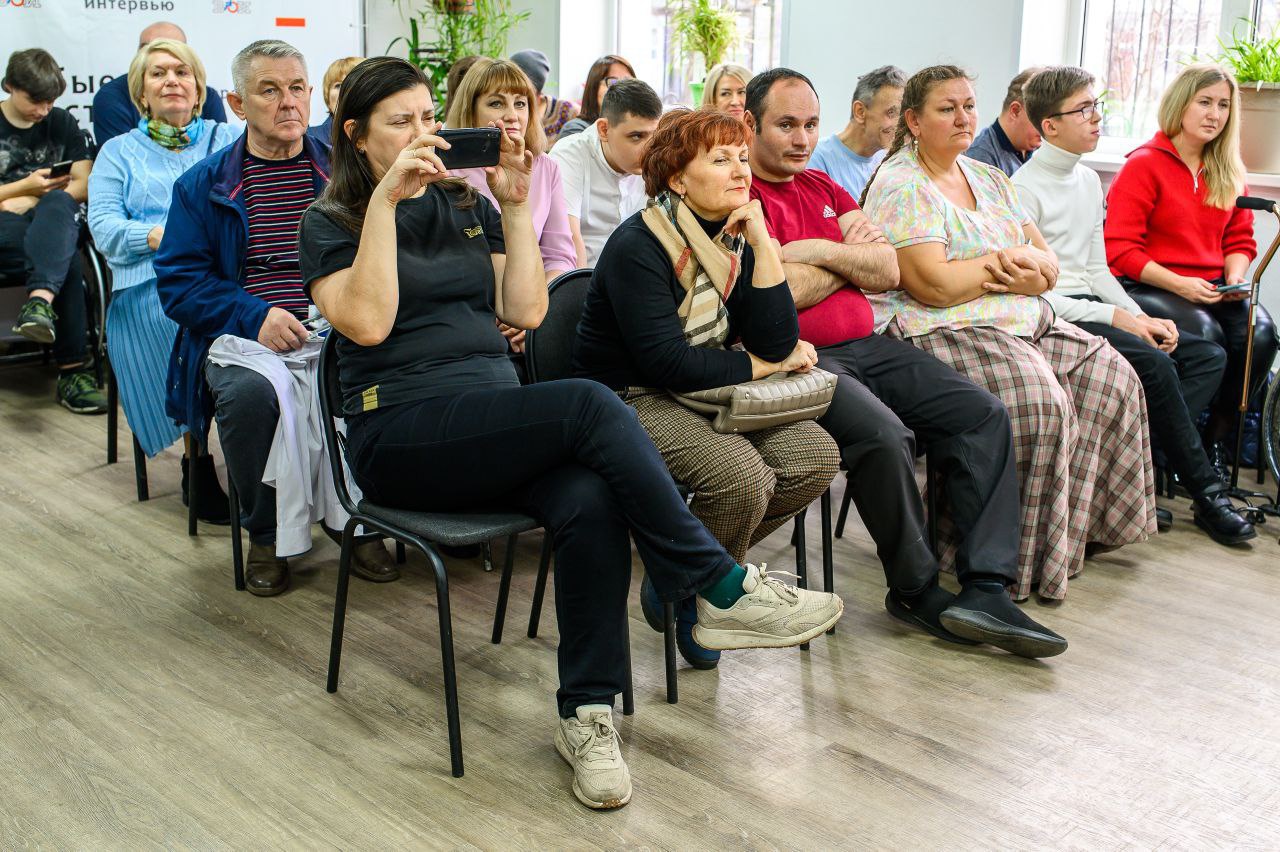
(265, 574)
(371, 561)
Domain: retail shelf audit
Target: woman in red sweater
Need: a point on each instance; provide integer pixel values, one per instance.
(1174, 234)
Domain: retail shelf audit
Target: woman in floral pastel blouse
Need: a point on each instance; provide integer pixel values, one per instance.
(973, 267)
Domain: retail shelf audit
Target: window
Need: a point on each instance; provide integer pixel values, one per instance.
(1136, 47)
(644, 38)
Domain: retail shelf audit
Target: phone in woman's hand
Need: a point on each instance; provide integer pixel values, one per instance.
(1233, 288)
(470, 147)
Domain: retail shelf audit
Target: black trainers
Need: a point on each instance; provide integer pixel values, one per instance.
(35, 321)
(923, 610)
(77, 392)
(990, 616)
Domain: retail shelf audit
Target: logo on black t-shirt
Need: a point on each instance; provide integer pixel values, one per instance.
(472, 233)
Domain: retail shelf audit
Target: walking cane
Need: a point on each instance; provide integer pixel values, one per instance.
(1246, 202)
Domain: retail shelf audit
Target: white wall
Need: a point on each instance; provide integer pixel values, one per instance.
(834, 42)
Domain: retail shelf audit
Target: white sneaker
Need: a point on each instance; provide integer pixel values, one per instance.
(770, 615)
(589, 743)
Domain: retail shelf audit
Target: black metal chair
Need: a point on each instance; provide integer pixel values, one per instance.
(422, 531)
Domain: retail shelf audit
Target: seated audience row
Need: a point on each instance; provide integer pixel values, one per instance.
(722, 253)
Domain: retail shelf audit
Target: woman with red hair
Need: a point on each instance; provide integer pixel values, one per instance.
(675, 286)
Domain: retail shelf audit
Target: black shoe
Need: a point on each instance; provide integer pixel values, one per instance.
(922, 611)
(1164, 519)
(686, 617)
(212, 505)
(991, 617)
(1215, 514)
(265, 574)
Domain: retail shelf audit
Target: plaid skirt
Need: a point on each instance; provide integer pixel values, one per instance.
(1080, 435)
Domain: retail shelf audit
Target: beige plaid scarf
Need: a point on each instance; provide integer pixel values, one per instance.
(707, 268)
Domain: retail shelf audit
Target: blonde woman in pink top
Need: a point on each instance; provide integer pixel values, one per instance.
(498, 91)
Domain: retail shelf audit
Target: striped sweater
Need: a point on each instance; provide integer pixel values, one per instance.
(276, 194)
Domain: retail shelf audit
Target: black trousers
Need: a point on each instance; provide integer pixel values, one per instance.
(40, 245)
(574, 456)
(889, 394)
(1226, 324)
(1178, 386)
(247, 410)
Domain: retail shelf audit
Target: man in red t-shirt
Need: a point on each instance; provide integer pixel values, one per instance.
(889, 392)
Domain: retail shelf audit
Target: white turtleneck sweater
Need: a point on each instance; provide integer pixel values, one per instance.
(1064, 199)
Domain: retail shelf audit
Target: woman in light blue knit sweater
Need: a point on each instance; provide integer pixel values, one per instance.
(129, 195)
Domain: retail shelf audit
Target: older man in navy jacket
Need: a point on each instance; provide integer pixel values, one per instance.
(228, 264)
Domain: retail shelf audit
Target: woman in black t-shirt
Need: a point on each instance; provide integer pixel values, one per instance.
(411, 266)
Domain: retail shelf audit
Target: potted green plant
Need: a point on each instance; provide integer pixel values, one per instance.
(1255, 61)
(707, 28)
(443, 31)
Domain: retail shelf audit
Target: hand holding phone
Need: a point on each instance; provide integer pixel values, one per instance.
(1226, 289)
(471, 147)
(60, 170)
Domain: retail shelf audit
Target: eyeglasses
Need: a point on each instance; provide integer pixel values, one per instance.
(1086, 112)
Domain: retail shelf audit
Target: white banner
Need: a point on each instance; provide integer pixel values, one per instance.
(94, 40)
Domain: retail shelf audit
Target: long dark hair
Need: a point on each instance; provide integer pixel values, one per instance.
(599, 71)
(914, 94)
(351, 181)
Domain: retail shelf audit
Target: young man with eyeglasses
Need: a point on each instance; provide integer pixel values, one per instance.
(1179, 372)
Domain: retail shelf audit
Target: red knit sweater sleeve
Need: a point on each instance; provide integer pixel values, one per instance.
(1130, 201)
(1238, 237)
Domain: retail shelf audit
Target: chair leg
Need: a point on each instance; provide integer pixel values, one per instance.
(828, 561)
(540, 587)
(446, 660)
(628, 694)
(400, 556)
(340, 604)
(486, 553)
(504, 590)
(844, 509)
(194, 451)
(140, 472)
(669, 649)
(802, 559)
(237, 548)
(113, 416)
(931, 492)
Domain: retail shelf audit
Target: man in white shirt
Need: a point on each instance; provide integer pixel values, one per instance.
(600, 167)
(851, 156)
(1179, 373)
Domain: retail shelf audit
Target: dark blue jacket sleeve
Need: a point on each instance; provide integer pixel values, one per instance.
(194, 291)
(213, 108)
(637, 276)
(113, 113)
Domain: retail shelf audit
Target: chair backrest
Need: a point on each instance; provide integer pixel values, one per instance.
(548, 349)
(330, 392)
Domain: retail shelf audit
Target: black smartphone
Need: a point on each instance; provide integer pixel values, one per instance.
(470, 147)
(62, 169)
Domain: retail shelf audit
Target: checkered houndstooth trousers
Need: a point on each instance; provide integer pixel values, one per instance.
(1080, 435)
(744, 486)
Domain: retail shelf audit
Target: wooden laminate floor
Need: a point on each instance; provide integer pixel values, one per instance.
(144, 703)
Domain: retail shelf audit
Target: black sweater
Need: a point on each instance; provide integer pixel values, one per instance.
(630, 334)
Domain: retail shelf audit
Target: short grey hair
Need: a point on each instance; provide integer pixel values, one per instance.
(875, 80)
(268, 48)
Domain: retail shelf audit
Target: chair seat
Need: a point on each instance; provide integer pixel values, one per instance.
(452, 529)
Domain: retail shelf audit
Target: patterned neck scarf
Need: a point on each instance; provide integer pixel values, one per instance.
(707, 268)
(167, 136)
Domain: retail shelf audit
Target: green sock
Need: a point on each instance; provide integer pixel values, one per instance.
(726, 592)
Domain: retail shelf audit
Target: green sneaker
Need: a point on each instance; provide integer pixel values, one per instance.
(78, 393)
(35, 321)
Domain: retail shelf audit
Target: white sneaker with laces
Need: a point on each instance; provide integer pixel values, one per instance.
(770, 615)
(589, 743)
